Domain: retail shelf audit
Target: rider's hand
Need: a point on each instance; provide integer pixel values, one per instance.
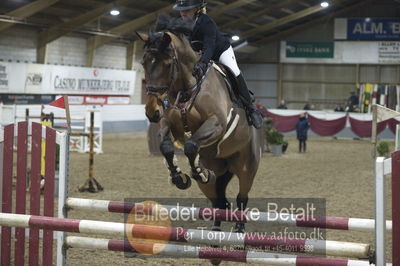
(199, 70)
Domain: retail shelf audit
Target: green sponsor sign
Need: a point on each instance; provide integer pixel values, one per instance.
(310, 49)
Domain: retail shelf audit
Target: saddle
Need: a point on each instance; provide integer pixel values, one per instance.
(231, 83)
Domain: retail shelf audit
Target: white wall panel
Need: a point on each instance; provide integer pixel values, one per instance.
(262, 81)
(110, 56)
(67, 51)
(18, 44)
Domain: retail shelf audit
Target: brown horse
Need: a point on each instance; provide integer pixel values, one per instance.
(217, 138)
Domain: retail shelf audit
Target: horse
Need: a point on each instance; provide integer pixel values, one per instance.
(216, 136)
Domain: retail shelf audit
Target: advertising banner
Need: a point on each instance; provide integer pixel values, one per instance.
(26, 98)
(52, 79)
(310, 49)
(389, 52)
(82, 80)
(349, 52)
(371, 29)
(12, 77)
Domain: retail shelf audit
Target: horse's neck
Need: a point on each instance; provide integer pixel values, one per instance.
(186, 60)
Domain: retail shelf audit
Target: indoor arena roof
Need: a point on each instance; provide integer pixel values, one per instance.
(256, 21)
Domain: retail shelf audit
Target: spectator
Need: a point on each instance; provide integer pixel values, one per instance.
(302, 127)
(338, 108)
(282, 105)
(309, 106)
(352, 102)
(261, 108)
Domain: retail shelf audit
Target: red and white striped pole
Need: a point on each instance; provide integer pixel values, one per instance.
(184, 251)
(338, 223)
(193, 236)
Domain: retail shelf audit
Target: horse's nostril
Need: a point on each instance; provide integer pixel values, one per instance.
(157, 113)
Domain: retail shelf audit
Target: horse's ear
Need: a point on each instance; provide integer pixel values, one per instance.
(143, 36)
(166, 40)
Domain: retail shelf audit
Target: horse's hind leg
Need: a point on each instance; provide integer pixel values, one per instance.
(216, 193)
(241, 202)
(245, 167)
(220, 201)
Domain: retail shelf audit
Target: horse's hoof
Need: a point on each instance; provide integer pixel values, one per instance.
(239, 228)
(215, 262)
(181, 180)
(204, 176)
(211, 177)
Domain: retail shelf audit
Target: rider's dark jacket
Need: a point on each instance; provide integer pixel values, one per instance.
(214, 43)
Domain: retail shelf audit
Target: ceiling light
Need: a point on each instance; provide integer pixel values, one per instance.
(324, 4)
(235, 38)
(367, 20)
(114, 12)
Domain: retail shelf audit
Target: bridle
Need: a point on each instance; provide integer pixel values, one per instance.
(185, 104)
(159, 90)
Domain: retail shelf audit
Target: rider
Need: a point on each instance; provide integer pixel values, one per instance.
(215, 47)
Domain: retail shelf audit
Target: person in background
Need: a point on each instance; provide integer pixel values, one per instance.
(261, 108)
(302, 127)
(215, 46)
(307, 107)
(352, 102)
(338, 108)
(282, 105)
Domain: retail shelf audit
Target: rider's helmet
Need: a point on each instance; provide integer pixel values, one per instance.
(182, 5)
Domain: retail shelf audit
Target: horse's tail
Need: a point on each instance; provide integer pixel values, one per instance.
(221, 184)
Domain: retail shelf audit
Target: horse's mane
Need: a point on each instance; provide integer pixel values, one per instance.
(177, 26)
(165, 23)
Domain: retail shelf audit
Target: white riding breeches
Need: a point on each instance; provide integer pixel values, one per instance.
(228, 59)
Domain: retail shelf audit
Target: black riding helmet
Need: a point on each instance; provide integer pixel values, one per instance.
(182, 5)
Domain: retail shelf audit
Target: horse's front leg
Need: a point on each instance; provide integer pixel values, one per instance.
(179, 179)
(209, 132)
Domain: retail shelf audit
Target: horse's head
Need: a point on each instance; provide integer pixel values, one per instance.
(160, 70)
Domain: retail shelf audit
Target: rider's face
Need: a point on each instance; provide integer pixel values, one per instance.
(188, 13)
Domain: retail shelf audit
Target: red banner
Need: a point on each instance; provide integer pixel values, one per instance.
(283, 123)
(327, 127)
(363, 129)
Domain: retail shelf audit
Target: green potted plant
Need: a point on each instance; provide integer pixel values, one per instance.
(275, 140)
(383, 149)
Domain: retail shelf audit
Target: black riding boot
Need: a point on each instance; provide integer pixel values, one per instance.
(252, 112)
